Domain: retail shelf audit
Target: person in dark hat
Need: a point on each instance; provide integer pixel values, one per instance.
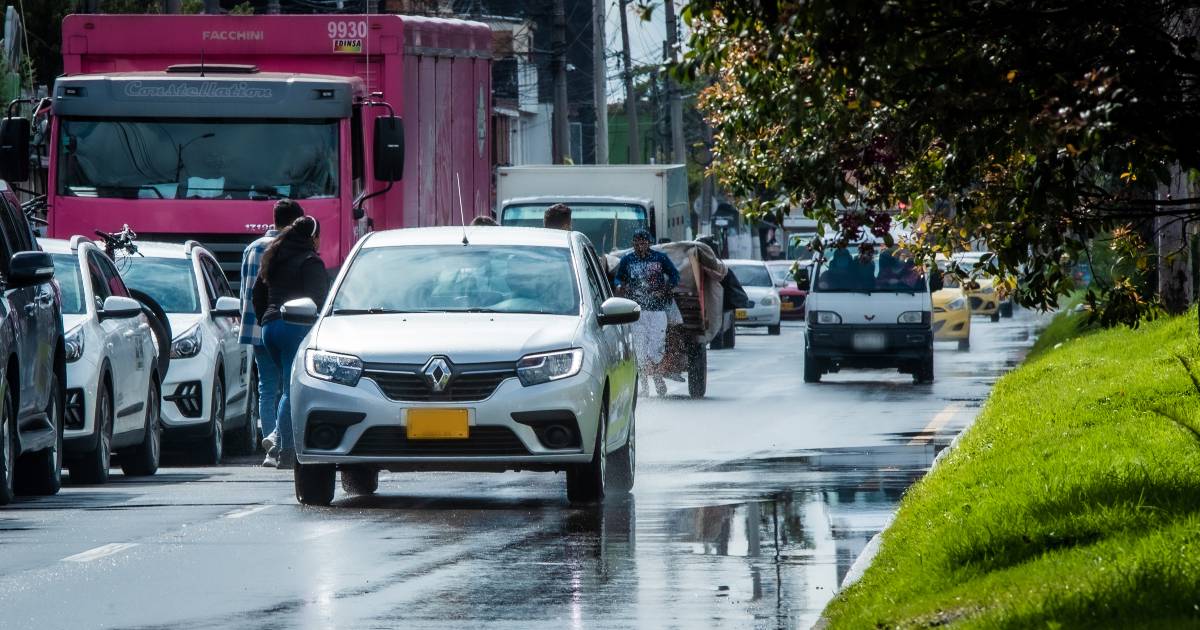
(648, 277)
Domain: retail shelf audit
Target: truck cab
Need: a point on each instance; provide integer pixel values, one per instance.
(869, 307)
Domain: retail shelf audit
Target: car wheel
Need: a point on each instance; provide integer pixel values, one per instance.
(624, 462)
(92, 467)
(360, 480)
(40, 473)
(812, 368)
(731, 337)
(314, 483)
(996, 316)
(143, 459)
(923, 375)
(697, 369)
(774, 330)
(1006, 309)
(718, 342)
(214, 444)
(585, 482)
(245, 440)
(8, 447)
(964, 344)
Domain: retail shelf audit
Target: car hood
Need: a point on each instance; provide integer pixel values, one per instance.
(71, 321)
(181, 322)
(460, 337)
(758, 293)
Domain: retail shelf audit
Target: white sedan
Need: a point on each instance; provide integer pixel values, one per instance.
(763, 310)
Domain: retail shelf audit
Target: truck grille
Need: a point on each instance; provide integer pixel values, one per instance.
(394, 442)
(468, 383)
(228, 249)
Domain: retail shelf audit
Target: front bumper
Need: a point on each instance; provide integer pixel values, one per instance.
(902, 346)
(952, 325)
(373, 430)
(984, 303)
(757, 316)
(791, 307)
(83, 380)
(187, 397)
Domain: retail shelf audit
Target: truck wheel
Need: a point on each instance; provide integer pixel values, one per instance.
(40, 473)
(585, 482)
(142, 460)
(214, 445)
(731, 337)
(774, 330)
(244, 441)
(812, 368)
(624, 464)
(697, 370)
(360, 480)
(92, 467)
(8, 447)
(964, 344)
(923, 375)
(1006, 309)
(718, 342)
(314, 483)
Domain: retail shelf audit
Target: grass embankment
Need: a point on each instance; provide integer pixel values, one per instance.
(1074, 500)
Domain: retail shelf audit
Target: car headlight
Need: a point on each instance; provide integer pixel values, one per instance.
(770, 300)
(956, 304)
(73, 343)
(824, 317)
(335, 368)
(188, 344)
(913, 317)
(535, 369)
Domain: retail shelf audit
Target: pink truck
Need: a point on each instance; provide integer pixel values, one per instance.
(190, 127)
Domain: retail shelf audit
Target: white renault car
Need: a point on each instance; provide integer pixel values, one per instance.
(112, 397)
(480, 350)
(763, 310)
(208, 391)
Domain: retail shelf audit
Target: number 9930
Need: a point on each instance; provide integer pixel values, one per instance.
(341, 29)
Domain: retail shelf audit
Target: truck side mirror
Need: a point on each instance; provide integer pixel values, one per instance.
(388, 150)
(14, 149)
(803, 280)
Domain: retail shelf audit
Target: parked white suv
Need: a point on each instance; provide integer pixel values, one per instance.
(112, 397)
(209, 388)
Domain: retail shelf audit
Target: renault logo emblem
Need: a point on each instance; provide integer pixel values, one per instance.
(437, 374)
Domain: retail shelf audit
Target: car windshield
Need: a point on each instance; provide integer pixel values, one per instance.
(476, 278)
(752, 275)
(66, 271)
(610, 227)
(848, 272)
(169, 281)
(198, 159)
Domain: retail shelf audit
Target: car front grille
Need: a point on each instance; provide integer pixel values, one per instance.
(468, 382)
(392, 441)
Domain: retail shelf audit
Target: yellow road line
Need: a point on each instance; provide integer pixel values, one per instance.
(945, 415)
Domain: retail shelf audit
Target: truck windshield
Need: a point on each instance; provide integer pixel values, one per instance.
(846, 271)
(609, 227)
(198, 159)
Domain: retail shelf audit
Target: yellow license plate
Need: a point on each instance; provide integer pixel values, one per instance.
(787, 306)
(437, 424)
(741, 313)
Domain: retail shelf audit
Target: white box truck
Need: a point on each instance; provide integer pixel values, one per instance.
(608, 203)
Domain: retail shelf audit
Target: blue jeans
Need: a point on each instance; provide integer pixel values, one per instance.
(268, 388)
(283, 341)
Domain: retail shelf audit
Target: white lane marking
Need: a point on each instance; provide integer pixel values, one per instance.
(935, 425)
(244, 512)
(99, 552)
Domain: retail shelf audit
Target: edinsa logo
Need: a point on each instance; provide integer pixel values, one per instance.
(222, 36)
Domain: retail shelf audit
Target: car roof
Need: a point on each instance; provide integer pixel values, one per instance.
(156, 249)
(476, 235)
(55, 245)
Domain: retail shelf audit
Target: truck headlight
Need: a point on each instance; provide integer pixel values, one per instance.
(335, 368)
(73, 344)
(535, 369)
(188, 344)
(956, 304)
(913, 317)
(824, 317)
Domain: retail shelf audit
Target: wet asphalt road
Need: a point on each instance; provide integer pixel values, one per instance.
(749, 508)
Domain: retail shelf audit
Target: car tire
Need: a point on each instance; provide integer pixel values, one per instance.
(923, 375)
(586, 482)
(774, 330)
(1006, 309)
(314, 483)
(245, 441)
(731, 337)
(214, 445)
(623, 467)
(996, 316)
(93, 467)
(697, 377)
(8, 447)
(964, 344)
(812, 368)
(40, 473)
(718, 342)
(360, 480)
(143, 459)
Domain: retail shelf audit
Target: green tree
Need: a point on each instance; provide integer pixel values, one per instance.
(1034, 126)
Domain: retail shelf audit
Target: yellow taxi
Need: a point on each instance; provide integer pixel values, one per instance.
(981, 291)
(951, 314)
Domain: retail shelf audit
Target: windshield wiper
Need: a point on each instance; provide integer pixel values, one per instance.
(367, 311)
(472, 310)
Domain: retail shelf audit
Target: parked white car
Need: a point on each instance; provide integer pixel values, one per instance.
(112, 396)
(209, 389)
(756, 280)
(507, 353)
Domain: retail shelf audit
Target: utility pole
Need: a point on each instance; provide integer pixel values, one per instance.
(678, 150)
(600, 80)
(631, 113)
(561, 141)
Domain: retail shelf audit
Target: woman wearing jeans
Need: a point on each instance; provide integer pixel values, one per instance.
(291, 269)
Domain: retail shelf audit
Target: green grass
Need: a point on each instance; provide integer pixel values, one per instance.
(1074, 501)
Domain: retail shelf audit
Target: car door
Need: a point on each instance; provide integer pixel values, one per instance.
(117, 346)
(132, 340)
(613, 344)
(229, 329)
(34, 350)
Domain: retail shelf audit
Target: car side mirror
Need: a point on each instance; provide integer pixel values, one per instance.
(619, 311)
(120, 307)
(14, 149)
(29, 269)
(936, 282)
(388, 149)
(301, 311)
(227, 307)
